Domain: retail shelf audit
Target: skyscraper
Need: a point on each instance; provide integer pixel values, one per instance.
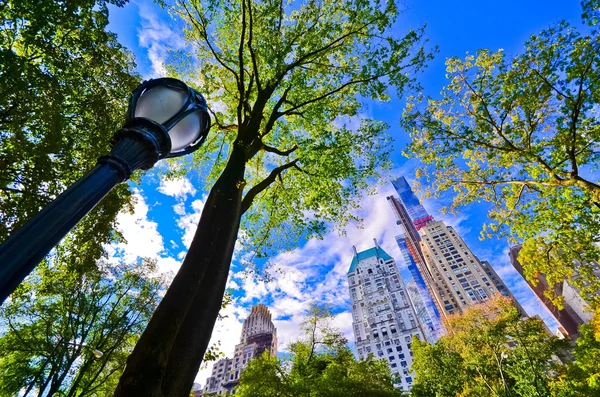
(412, 216)
(446, 272)
(258, 335)
(409, 199)
(460, 278)
(383, 318)
(575, 311)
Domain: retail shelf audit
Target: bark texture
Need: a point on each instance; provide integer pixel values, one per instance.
(167, 357)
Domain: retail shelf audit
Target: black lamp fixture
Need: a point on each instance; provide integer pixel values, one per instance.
(165, 119)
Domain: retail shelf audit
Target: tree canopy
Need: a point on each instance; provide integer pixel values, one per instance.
(292, 78)
(57, 318)
(522, 133)
(488, 351)
(66, 85)
(321, 364)
(283, 80)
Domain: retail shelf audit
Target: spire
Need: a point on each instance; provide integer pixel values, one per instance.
(375, 241)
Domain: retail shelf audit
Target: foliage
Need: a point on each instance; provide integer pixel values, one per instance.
(288, 83)
(56, 319)
(581, 377)
(319, 365)
(67, 85)
(488, 351)
(522, 134)
(284, 80)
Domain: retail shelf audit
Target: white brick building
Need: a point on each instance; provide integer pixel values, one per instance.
(383, 318)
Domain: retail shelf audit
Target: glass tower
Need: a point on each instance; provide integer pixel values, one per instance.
(412, 216)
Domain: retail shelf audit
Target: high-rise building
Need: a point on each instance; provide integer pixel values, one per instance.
(437, 257)
(460, 279)
(412, 216)
(409, 199)
(415, 294)
(383, 318)
(575, 311)
(258, 335)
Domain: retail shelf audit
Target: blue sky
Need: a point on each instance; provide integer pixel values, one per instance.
(166, 212)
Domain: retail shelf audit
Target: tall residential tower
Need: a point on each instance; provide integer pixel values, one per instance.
(412, 216)
(437, 257)
(258, 335)
(383, 318)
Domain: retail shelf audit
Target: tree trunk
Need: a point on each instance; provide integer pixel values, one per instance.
(195, 333)
(186, 309)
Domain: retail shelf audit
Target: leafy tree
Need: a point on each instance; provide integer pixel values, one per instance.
(319, 365)
(522, 134)
(57, 318)
(283, 79)
(67, 81)
(582, 376)
(439, 371)
(488, 351)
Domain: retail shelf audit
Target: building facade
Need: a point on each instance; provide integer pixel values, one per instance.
(258, 335)
(575, 311)
(460, 279)
(383, 318)
(411, 216)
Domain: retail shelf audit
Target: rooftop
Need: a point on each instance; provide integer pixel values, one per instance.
(375, 251)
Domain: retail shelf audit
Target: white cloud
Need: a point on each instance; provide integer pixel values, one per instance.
(178, 188)
(158, 39)
(141, 234)
(142, 239)
(188, 222)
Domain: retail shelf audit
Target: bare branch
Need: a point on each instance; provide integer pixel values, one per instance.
(252, 54)
(201, 27)
(262, 185)
(270, 149)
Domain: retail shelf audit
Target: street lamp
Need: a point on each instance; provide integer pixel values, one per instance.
(95, 352)
(165, 118)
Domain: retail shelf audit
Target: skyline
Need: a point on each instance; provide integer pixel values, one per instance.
(167, 212)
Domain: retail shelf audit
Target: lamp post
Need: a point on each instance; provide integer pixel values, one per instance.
(503, 356)
(165, 118)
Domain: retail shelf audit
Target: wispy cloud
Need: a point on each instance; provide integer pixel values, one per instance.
(142, 239)
(158, 38)
(179, 188)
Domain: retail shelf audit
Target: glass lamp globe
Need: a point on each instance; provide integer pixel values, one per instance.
(180, 110)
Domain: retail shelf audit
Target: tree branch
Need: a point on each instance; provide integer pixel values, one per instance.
(201, 27)
(271, 149)
(552, 87)
(262, 185)
(252, 53)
